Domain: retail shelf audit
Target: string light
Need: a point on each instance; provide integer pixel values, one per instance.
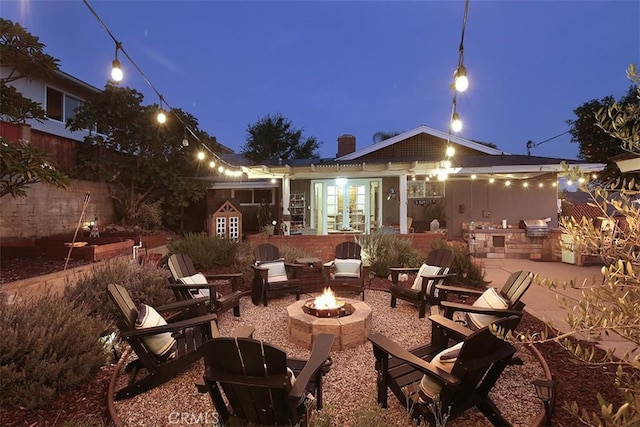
(161, 117)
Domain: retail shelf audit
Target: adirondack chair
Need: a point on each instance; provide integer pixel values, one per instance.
(272, 275)
(252, 383)
(490, 304)
(460, 376)
(424, 290)
(347, 272)
(187, 283)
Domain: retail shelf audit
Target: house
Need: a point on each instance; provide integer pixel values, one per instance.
(404, 177)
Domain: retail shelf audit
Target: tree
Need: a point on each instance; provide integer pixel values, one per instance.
(274, 137)
(21, 163)
(23, 55)
(596, 144)
(613, 305)
(145, 161)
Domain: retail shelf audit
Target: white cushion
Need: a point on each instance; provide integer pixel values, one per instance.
(445, 361)
(277, 271)
(159, 344)
(347, 267)
(196, 279)
(489, 299)
(425, 270)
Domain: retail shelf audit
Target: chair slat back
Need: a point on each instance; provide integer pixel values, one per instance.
(348, 250)
(180, 265)
(442, 257)
(124, 303)
(252, 375)
(266, 252)
(516, 285)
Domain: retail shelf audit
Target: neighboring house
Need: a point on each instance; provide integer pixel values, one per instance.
(386, 183)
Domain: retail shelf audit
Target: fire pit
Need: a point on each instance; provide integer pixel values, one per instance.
(348, 320)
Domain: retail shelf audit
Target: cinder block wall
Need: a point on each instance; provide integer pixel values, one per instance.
(48, 210)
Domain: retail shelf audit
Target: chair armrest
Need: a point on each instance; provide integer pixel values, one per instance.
(171, 327)
(223, 276)
(405, 269)
(449, 307)
(450, 325)
(329, 263)
(244, 331)
(181, 305)
(192, 286)
(459, 290)
(319, 354)
(382, 344)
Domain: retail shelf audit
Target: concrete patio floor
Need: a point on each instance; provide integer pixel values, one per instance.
(543, 302)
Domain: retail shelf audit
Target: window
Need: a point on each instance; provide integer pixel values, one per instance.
(60, 106)
(253, 197)
(54, 104)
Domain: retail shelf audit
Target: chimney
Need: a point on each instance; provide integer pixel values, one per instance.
(346, 145)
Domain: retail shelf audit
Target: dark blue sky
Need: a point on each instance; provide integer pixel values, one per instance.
(353, 66)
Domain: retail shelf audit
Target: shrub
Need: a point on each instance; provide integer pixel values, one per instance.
(383, 250)
(469, 271)
(47, 345)
(206, 252)
(146, 284)
(149, 216)
(291, 253)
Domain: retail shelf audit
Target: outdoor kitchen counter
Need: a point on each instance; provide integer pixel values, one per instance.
(507, 243)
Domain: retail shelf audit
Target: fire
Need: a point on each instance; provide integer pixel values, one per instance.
(326, 301)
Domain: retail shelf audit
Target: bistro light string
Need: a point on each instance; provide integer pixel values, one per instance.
(218, 164)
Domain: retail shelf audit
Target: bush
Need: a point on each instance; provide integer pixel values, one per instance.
(206, 252)
(469, 271)
(146, 284)
(383, 250)
(47, 345)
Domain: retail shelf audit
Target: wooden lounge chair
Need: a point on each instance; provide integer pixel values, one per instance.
(346, 273)
(490, 305)
(166, 349)
(272, 275)
(461, 377)
(187, 283)
(424, 291)
(250, 382)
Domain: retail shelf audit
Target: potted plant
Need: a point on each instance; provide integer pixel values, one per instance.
(265, 218)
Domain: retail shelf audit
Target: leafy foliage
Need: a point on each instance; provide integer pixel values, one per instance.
(47, 345)
(147, 162)
(383, 250)
(610, 306)
(597, 144)
(206, 252)
(146, 284)
(23, 54)
(22, 165)
(274, 137)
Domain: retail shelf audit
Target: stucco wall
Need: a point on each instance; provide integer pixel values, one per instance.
(48, 210)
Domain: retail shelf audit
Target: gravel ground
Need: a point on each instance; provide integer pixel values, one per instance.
(349, 388)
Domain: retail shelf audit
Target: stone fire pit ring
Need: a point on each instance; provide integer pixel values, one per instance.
(349, 331)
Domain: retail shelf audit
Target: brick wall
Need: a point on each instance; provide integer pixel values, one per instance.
(323, 247)
(49, 210)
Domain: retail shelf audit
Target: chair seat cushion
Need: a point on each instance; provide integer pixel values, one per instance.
(162, 345)
(277, 271)
(490, 298)
(347, 267)
(425, 270)
(197, 279)
(445, 361)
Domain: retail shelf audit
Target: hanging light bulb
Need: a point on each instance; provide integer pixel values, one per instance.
(200, 155)
(116, 69)
(212, 164)
(450, 151)
(185, 140)
(460, 80)
(492, 180)
(456, 123)
(161, 117)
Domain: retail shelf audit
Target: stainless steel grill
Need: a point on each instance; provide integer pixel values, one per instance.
(535, 227)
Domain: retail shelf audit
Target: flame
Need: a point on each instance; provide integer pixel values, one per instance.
(326, 301)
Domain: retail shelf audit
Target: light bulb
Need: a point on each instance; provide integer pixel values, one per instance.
(461, 82)
(212, 164)
(525, 184)
(450, 151)
(492, 180)
(456, 123)
(161, 117)
(200, 155)
(116, 71)
(474, 176)
(185, 142)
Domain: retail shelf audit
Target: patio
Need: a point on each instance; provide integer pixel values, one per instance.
(349, 388)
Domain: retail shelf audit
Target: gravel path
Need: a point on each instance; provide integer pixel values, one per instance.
(349, 388)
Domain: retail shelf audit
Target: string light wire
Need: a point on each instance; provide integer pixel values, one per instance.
(217, 158)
